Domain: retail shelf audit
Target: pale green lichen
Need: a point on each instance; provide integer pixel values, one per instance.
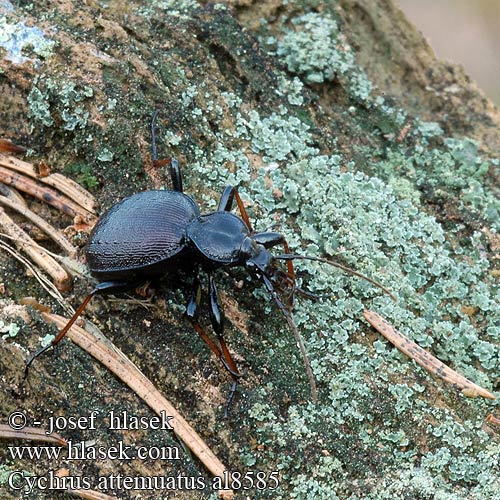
(63, 99)
(39, 107)
(324, 481)
(385, 235)
(172, 8)
(5, 472)
(18, 40)
(10, 329)
(316, 49)
(105, 155)
(278, 136)
(455, 171)
(46, 340)
(404, 395)
(188, 95)
(292, 89)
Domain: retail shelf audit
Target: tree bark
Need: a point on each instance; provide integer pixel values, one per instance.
(341, 126)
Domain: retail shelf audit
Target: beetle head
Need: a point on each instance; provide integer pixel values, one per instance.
(264, 266)
(256, 258)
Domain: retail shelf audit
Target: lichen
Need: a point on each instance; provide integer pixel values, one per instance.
(17, 39)
(173, 8)
(51, 99)
(105, 155)
(10, 329)
(292, 89)
(407, 250)
(316, 49)
(456, 171)
(278, 136)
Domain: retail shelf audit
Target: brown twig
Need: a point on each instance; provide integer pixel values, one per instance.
(490, 418)
(424, 358)
(66, 186)
(9, 147)
(43, 193)
(41, 223)
(71, 189)
(12, 194)
(61, 278)
(90, 494)
(46, 284)
(71, 264)
(124, 369)
(31, 433)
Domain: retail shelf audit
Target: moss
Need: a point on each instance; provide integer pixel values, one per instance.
(82, 173)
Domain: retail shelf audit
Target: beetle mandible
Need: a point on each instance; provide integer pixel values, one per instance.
(152, 233)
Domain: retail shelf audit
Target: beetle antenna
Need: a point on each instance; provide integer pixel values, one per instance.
(298, 338)
(291, 256)
(296, 289)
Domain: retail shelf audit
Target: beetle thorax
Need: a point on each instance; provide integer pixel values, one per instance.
(218, 238)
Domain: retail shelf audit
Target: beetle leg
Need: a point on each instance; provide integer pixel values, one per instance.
(7, 146)
(192, 308)
(226, 200)
(194, 301)
(217, 319)
(191, 313)
(226, 203)
(105, 287)
(175, 172)
(270, 239)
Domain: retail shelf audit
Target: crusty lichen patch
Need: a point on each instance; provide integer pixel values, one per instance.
(19, 41)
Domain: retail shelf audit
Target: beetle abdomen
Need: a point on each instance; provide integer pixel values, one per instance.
(140, 231)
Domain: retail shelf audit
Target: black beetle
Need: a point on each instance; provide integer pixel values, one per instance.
(152, 233)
